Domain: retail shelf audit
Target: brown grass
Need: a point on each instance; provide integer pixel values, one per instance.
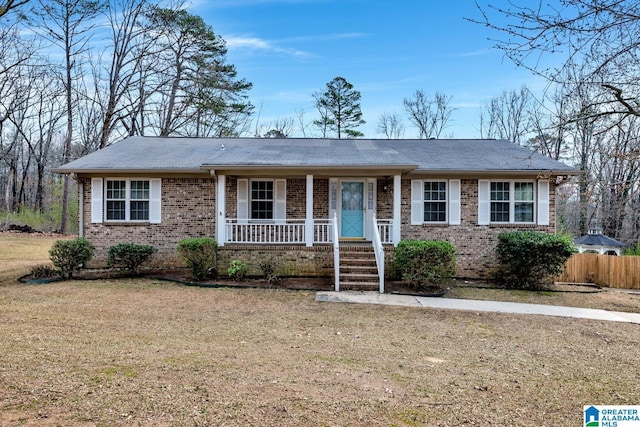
(19, 252)
(151, 353)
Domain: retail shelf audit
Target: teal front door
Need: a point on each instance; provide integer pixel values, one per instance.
(352, 211)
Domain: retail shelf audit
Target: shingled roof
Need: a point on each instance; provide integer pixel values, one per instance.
(174, 155)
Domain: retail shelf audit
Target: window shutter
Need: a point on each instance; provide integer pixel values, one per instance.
(280, 203)
(243, 199)
(484, 202)
(155, 201)
(97, 204)
(543, 202)
(417, 203)
(454, 201)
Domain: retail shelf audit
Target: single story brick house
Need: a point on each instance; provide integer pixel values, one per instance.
(304, 203)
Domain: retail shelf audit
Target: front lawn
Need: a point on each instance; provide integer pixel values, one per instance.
(153, 353)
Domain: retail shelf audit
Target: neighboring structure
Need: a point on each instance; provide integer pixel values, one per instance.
(299, 201)
(597, 242)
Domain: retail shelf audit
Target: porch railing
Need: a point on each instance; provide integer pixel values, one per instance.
(385, 229)
(244, 231)
(323, 230)
(379, 251)
(291, 231)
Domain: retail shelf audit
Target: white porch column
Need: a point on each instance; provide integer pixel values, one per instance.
(308, 224)
(397, 212)
(221, 207)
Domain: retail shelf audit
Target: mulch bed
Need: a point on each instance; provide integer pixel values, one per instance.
(296, 283)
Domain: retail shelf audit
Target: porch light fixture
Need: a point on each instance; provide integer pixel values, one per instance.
(387, 184)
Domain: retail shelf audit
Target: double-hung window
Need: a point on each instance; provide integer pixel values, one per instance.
(512, 201)
(435, 201)
(127, 200)
(262, 198)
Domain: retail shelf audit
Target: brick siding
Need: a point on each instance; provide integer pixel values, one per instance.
(475, 244)
(189, 210)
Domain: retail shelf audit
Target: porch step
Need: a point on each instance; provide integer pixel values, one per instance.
(358, 269)
(359, 286)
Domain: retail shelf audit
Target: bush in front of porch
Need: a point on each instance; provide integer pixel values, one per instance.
(425, 264)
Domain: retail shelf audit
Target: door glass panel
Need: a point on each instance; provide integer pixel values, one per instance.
(352, 209)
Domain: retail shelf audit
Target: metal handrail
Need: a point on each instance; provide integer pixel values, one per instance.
(378, 249)
(336, 252)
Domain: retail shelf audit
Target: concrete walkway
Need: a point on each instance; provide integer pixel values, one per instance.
(475, 305)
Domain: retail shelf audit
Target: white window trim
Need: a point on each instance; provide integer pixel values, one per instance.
(512, 201)
(279, 200)
(127, 200)
(99, 200)
(250, 199)
(452, 202)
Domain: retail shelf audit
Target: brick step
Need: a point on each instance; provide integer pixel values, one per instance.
(367, 263)
(370, 268)
(358, 269)
(360, 255)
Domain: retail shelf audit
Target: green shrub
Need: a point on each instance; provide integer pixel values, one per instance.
(129, 256)
(530, 259)
(70, 255)
(237, 270)
(200, 255)
(633, 250)
(425, 264)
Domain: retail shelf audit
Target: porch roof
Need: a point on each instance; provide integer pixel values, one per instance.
(193, 155)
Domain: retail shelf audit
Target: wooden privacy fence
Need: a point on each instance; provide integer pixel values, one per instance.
(621, 272)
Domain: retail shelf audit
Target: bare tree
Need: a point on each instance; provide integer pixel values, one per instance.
(599, 34)
(390, 125)
(68, 24)
(7, 5)
(126, 52)
(430, 115)
(508, 116)
(303, 126)
(282, 127)
(618, 166)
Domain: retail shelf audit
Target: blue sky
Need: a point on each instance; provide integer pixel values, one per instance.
(387, 49)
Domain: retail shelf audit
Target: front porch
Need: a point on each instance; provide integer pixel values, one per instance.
(310, 211)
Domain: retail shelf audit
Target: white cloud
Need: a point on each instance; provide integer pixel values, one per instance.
(325, 37)
(477, 52)
(258, 44)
